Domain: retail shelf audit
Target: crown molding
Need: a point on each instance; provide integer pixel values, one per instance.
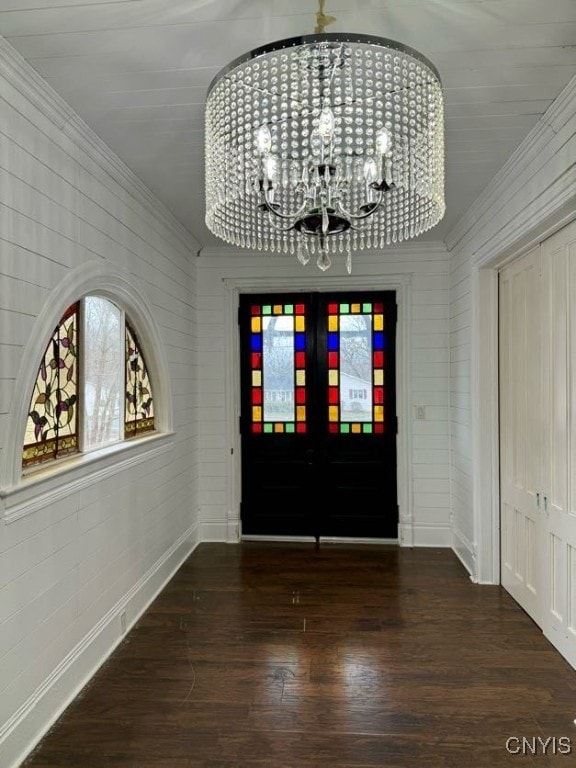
(551, 122)
(22, 76)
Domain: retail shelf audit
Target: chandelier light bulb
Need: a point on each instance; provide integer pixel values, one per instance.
(264, 139)
(383, 141)
(272, 168)
(370, 172)
(326, 124)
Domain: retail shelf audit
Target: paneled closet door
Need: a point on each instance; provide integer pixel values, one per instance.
(559, 480)
(522, 432)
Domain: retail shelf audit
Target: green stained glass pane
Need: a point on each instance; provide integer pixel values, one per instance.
(367, 428)
(289, 428)
(289, 309)
(345, 428)
(344, 309)
(268, 428)
(367, 308)
(267, 309)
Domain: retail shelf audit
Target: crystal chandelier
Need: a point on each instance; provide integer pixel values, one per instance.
(325, 144)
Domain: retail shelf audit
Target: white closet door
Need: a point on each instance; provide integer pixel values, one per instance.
(522, 431)
(559, 273)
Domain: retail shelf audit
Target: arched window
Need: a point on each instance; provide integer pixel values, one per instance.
(92, 387)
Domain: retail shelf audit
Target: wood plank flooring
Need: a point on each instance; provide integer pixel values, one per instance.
(289, 656)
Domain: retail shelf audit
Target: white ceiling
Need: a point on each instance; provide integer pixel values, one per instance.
(137, 72)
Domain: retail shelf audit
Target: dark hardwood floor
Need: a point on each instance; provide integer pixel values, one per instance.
(292, 657)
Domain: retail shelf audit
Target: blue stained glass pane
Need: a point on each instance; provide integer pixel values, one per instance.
(299, 342)
(379, 340)
(256, 342)
(333, 342)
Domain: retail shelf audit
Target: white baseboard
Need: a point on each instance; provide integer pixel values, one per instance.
(464, 551)
(216, 531)
(20, 735)
(415, 535)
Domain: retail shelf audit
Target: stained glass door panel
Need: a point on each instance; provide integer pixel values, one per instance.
(318, 415)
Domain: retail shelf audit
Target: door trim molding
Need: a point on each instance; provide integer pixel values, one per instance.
(401, 284)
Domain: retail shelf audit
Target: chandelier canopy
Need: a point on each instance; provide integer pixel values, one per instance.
(325, 144)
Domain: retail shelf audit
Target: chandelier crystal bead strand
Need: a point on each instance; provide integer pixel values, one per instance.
(325, 144)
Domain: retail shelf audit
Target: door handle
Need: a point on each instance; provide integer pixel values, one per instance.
(546, 505)
(310, 456)
(538, 499)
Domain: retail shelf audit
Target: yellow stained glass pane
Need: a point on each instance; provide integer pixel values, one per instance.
(256, 413)
(332, 413)
(332, 322)
(300, 413)
(378, 413)
(256, 325)
(355, 308)
(356, 428)
(300, 323)
(256, 378)
(279, 427)
(300, 378)
(379, 377)
(333, 378)
(278, 309)
(378, 322)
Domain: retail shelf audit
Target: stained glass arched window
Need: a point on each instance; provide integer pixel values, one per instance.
(76, 404)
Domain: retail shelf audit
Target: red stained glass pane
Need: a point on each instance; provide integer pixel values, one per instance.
(332, 359)
(378, 359)
(332, 309)
(299, 309)
(300, 359)
(255, 309)
(378, 308)
(333, 428)
(333, 395)
(379, 428)
(379, 395)
(256, 397)
(301, 427)
(300, 395)
(256, 360)
(256, 427)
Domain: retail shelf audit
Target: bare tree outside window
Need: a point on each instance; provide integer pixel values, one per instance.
(103, 371)
(278, 368)
(356, 361)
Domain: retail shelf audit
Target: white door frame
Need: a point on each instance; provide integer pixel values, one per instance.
(401, 284)
(486, 264)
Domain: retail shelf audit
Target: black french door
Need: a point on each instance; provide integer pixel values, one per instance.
(318, 414)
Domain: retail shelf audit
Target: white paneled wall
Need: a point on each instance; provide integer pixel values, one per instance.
(533, 195)
(423, 272)
(72, 561)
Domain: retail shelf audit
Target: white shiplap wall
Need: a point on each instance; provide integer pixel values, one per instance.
(532, 196)
(69, 565)
(423, 269)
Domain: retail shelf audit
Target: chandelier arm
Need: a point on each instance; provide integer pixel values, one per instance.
(361, 216)
(286, 216)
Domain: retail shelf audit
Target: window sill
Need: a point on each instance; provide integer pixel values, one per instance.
(52, 483)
